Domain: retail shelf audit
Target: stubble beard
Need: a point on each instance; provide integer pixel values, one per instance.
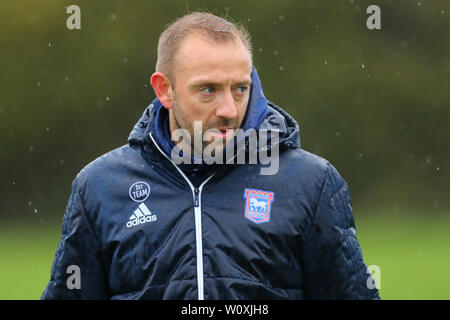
(181, 123)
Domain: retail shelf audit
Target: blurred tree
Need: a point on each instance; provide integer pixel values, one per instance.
(373, 102)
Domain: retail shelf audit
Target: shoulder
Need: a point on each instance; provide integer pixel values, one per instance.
(305, 164)
(106, 162)
(105, 181)
(311, 173)
(109, 169)
(328, 187)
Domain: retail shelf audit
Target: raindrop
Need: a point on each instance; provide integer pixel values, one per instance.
(49, 44)
(437, 168)
(419, 3)
(326, 62)
(107, 98)
(66, 78)
(281, 68)
(260, 49)
(125, 60)
(275, 52)
(363, 66)
(401, 126)
(38, 83)
(61, 162)
(436, 102)
(112, 17)
(35, 210)
(47, 129)
(281, 17)
(29, 203)
(31, 148)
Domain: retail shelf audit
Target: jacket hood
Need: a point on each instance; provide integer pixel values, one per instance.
(261, 114)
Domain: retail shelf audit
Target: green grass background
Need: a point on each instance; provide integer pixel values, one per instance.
(412, 253)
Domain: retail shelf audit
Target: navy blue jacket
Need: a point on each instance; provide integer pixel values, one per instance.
(140, 227)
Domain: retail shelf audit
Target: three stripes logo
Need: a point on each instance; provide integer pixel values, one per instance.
(141, 215)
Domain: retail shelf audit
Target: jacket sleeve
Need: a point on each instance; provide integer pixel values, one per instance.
(77, 270)
(333, 262)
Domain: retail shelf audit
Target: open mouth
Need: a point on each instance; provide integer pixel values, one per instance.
(223, 132)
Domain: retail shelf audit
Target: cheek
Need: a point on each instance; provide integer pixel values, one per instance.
(242, 107)
(188, 110)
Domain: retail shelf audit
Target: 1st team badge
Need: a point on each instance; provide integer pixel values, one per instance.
(258, 205)
(139, 191)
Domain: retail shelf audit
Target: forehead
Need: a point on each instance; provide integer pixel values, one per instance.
(199, 58)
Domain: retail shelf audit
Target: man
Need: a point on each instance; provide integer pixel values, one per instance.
(141, 224)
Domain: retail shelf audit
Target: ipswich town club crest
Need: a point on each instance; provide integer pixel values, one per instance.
(258, 204)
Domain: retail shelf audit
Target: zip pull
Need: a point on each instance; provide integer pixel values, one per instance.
(196, 192)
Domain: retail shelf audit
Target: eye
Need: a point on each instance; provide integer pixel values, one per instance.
(242, 89)
(208, 90)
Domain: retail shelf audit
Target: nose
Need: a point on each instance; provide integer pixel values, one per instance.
(226, 108)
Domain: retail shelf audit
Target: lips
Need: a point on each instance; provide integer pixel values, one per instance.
(221, 131)
(224, 130)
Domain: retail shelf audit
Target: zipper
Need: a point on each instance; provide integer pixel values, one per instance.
(196, 193)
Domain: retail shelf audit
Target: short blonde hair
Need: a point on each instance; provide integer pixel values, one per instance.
(215, 28)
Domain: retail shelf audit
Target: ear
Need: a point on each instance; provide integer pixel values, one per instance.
(163, 89)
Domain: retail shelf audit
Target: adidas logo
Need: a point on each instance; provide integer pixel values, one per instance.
(141, 215)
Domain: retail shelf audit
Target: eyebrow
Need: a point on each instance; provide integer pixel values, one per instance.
(207, 83)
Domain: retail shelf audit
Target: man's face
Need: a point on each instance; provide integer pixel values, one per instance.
(212, 84)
